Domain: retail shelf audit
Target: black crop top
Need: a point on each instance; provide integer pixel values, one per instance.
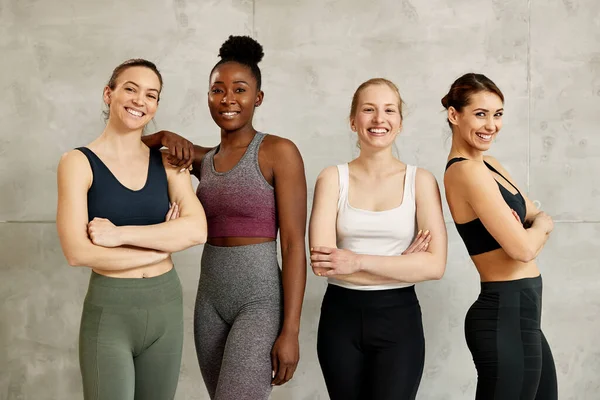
(108, 198)
(477, 239)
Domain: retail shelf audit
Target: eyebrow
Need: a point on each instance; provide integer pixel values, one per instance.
(136, 85)
(486, 110)
(388, 104)
(221, 82)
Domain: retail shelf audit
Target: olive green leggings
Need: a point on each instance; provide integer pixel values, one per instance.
(131, 338)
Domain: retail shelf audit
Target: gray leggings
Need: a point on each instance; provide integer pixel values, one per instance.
(237, 319)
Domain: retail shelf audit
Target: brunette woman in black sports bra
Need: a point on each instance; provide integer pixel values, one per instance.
(503, 232)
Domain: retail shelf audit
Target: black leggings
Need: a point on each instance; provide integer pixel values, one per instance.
(510, 352)
(370, 343)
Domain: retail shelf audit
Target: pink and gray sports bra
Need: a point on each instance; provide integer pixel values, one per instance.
(239, 202)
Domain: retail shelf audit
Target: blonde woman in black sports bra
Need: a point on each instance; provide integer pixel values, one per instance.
(503, 232)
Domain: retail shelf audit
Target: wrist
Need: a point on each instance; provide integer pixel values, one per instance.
(123, 236)
(292, 329)
(360, 264)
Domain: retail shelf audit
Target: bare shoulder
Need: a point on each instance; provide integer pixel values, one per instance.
(74, 168)
(74, 161)
(282, 151)
(329, 175)
(278, 144)
(425, 176)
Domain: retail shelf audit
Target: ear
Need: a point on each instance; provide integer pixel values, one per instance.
(453, 115)
(259, 98)
(352, 125)
(106, 95)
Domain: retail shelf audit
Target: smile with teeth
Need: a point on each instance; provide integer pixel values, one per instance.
(230, 113)
(484, 136)
(378, 131)
(135, 113)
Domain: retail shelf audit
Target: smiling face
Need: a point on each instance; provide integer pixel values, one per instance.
(134, 99)
(377, 116)
(479, 122)
(233, 95)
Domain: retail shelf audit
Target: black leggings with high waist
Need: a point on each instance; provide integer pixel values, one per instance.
(511, 354)
(370, 343)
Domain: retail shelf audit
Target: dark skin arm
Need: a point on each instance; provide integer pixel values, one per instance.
(181, 152)
(290, 193)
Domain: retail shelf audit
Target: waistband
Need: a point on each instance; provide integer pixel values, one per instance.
(260, 248)
(134, 292)
(371, 298)
(512, 286)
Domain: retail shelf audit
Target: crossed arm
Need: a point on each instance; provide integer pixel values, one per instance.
(100, 244)
(424, 260)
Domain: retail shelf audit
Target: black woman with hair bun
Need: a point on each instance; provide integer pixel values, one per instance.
(252, 186)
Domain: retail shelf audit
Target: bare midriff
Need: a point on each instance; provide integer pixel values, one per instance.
(496, 265)
(147, 271)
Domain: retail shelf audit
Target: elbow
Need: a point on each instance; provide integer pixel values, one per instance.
(437, 271)
(199, 237)
(74, 260)
(195, 235)
(523, 254)
(199, 231)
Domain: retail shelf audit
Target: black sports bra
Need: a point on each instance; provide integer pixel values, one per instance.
(477, 239)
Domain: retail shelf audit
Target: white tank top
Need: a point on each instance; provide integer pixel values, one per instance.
(378, 233)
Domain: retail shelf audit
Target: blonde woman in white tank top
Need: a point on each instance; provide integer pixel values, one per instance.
(376, 228)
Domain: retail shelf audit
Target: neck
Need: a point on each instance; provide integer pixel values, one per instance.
(376, 161)
(460, 148)
(237, 138)
(119, 141)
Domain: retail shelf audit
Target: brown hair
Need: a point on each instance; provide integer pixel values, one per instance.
(372, 82)
(464, 87)
(134, 62)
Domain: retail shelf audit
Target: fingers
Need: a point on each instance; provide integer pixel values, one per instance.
(319, 271)
(173, 212)
(179, 152)
(420, 243)
(321, 249)
(275, 365)
(412, 246)
(279, 378)
(514, 213)
(188, 156)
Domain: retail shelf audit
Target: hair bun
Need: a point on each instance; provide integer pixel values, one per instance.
(445, 101)
(242, 49)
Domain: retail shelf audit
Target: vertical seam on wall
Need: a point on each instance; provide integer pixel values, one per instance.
(253, 14)
(528, 95)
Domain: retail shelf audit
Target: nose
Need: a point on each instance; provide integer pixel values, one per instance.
(490, 126)
(139, 99)
(228, 97)
(377, 117)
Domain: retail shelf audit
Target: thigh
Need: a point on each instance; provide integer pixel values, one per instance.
(157, 366)
(210, 337)
(105, 356)
(396, 353)
(246, 367)
(339, 350)
(548, 386)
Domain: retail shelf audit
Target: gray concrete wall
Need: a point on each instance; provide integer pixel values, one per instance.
(544, 54)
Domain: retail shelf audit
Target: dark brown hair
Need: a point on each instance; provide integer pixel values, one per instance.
(134, 62)
(466, 86)
(372, 82)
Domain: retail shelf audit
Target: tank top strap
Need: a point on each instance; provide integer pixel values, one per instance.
(343, 183)
(252, 151)
(410, 182)
(93, 159)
